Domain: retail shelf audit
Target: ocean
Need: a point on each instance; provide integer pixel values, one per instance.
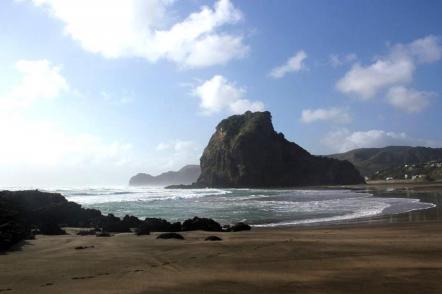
(258, 207)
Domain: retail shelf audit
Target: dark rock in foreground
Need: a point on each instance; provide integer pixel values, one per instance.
(170, 236)
(142, 229)
(161, 225)
(83, 247)
(103, 234)
(240, 227)
(245, 151)
(11, 233)
(51, 229)
(23, 213)
(213, 238)
(203, 224)
(91, 232)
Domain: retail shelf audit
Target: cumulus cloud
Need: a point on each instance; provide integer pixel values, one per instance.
(39, 80)
(294, 64)
(332, 114)
(45, 144)
(366, 82)
(35, 150)
(395, 69)
(218, 94)
(143, 28)
(344, 140)
(409, 100)
(424, 50)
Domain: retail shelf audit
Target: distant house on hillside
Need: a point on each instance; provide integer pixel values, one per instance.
(417, 177)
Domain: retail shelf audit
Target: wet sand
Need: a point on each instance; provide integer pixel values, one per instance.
(389, 254)
(363, 258)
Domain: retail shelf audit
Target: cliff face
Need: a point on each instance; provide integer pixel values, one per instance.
(186, 175)
(245, 151)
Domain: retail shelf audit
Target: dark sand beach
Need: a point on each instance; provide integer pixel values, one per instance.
(400, 254)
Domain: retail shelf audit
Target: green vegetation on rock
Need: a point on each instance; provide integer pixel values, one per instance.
(245, 151)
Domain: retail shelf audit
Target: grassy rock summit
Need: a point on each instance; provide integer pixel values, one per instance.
(186, 175)
(370, 160)
(245, 151)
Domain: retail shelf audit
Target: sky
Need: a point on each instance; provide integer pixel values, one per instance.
(95, 91)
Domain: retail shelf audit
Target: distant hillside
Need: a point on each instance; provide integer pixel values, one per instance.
(187, 175)
(428, 171)
(370, 160)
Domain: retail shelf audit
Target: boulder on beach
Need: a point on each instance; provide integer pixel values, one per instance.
(142, 229)
(51, 228)
(87, 232)
(213, 238)
(170, 236)
(103, 234)
(11, 233)
(240, 227)
(161, 225)
(203, 224)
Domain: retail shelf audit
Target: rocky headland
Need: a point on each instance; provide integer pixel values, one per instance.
(186, 175)
(246, 151)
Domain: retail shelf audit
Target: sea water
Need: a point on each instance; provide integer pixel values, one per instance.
(259, 207)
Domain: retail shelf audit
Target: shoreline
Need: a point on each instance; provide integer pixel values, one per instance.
(400, 254)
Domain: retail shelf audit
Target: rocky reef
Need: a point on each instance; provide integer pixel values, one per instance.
(25, 213)
(245, 151)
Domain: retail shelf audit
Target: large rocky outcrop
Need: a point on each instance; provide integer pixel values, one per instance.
(186, 175)
(245, 151)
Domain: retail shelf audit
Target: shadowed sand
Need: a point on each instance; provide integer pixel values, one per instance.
(362, 258)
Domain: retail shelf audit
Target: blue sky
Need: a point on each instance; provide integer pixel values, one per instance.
(92, 92)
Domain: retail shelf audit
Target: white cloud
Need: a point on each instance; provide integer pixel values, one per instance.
(396, 68)
(366, 82)
(344, 140)
(424, 50)
(408, 100)
(44, 144)
(39, 151)
(218, 94)
(339, 60)
(294, 64)
(332, 114)
(179, 153)
(40, 80)
(139, 28)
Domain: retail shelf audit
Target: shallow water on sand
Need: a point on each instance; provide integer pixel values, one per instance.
(259, 207)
